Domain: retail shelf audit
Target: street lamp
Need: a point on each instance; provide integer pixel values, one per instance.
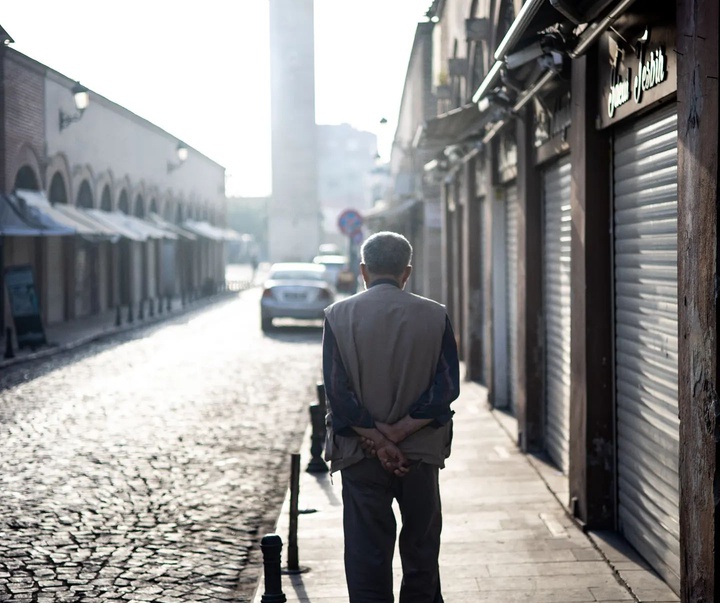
(182, 154)
(81, 97)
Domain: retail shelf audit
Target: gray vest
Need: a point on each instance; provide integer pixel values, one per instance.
(390, 342)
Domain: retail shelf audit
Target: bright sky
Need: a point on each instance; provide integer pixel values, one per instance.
(200, 70)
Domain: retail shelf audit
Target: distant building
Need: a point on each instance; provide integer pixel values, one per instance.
(346, 161)
(294, 212)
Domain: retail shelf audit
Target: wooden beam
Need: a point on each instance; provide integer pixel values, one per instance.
(592, 435)
(530, 402)
(697, 22)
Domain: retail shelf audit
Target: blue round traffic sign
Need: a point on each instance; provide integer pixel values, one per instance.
(350, 221)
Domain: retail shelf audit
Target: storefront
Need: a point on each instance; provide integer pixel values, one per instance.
(506, 380)
(556, 308)
(638, 104)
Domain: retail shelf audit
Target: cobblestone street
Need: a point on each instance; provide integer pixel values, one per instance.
(144, 468)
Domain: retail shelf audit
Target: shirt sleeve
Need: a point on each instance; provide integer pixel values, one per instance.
(434, 403)
(347, 412)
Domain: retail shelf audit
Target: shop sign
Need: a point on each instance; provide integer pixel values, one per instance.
(637, 74)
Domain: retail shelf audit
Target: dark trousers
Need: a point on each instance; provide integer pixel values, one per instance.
(369, 523)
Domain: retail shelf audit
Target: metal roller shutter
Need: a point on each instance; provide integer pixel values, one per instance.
(556, 280)
(646, 339)
(511, 242)
(482, 297)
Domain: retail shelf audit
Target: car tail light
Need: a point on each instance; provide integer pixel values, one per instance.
(267, 293)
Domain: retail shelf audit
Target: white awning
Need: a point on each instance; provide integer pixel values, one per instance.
(39, 201)
(18, 219)
(135, 229)
(205, 230)
(233, 235)
(82, 216)
(165, 225)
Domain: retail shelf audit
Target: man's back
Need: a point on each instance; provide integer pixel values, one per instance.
(390, 342)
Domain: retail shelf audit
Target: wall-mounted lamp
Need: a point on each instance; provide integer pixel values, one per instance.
(81, 96)
(182, 154)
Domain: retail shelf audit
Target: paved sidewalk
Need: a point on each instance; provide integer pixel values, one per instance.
(506, 537)
(68, 335)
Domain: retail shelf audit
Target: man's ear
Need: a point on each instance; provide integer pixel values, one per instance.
(365, 273)
(405, 275)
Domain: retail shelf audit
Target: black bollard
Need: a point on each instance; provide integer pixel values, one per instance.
(118, 317)
(9, 351)
(151, 308)
(271, 547)
(317, 440)
(322, 400)
(130, 312)
(293, 564)
(169, 304)
(141, 310)
(161, 305)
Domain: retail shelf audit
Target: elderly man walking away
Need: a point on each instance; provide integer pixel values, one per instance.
(391, 371)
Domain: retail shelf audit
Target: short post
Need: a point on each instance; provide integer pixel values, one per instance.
(271, 547)
(9, 351)
(130, 312)
(151, 308)
(317, 439)
(141, 310)
(169, 304)
(160, 303)
(293, 565)
(322, 399)
(118, 317)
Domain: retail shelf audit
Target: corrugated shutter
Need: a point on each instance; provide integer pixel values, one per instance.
(556, 279)
(511, 242)
(646, 339)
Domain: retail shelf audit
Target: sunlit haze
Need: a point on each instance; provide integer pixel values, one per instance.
(201, 70)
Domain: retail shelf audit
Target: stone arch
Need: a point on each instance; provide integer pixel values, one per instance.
(165, 202)
(57, 192)
(85, 197)
(139, 207)
(123, 203)
(26, 169)
(83, 174)
(59, 166)
(123, 186)
(106, 198)
(104, 187)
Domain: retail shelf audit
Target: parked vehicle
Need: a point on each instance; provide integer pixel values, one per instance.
(338, 272)
(295, 290)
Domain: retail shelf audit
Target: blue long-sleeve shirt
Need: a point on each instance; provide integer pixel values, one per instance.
(434, 403)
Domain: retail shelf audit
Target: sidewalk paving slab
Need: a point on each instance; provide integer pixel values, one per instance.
(506, 536)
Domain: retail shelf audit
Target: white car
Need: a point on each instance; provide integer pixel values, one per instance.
(338, 272)
(295, 290)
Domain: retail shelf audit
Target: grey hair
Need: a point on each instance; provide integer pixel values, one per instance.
(386, 253)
